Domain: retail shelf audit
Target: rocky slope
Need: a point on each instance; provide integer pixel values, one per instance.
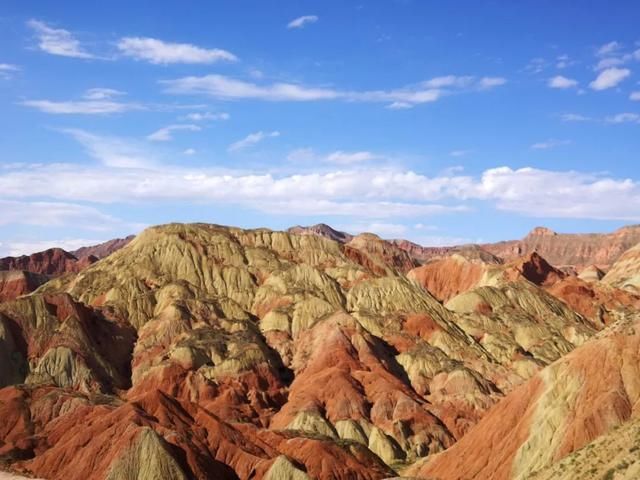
(201, 351)
(560, 410)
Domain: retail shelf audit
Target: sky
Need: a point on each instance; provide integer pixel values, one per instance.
(439, 122)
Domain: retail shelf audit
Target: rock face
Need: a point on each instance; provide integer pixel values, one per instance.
(561, 249)
(103, 249)
(625, 273)
(201, 351)
(54, 261)
(559, 411)
(14, 283)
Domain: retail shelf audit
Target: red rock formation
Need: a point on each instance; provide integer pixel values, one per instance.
(600, 303)
(535, 269)
(448, 277)
(563, 249)
(14, 283)
(54, 261)
(103, 249)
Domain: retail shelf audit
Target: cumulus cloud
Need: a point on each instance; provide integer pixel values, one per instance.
(635, 96)
(561, 82)
(160, 52)
(252, 139)
(300, 22)
(609, 78)
(227, 88)
(165, 134)
(57, 41)
(126, 175)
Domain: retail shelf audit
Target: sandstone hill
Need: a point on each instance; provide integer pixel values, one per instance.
(202, 351)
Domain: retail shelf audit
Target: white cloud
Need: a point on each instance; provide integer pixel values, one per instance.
(635, 96)
(608, 49)
(190, 151)
(346, 158)
(551, 143)
(399, 106)
(251, 140)
(95, 101)
(15, 248)
(383, 229)
(561, 82)
(163, 53)
(623, 118)
(112, 151)
(57, 41)
(53, 214)
(536, 65)
(460, 153)
(300, 22)
(564, 61)
(574, 117)
(7, 70)
(566, 194)
(491, 82)
(226, 88)
(339, 157)
(165, 134)
(378, 193)
(201, 117)
(101, 93)
(609, 78)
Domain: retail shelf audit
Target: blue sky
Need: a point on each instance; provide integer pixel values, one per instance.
(440, 122)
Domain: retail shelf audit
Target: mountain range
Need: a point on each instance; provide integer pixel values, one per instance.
(205, 351)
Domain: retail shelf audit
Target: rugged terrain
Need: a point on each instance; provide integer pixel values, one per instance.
(201, 351)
